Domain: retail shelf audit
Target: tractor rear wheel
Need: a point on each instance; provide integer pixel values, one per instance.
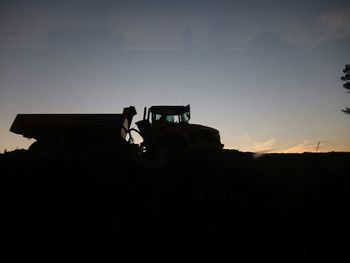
(167, 152)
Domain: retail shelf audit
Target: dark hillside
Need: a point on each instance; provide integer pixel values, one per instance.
(285, 207)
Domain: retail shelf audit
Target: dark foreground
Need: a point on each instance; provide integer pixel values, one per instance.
(286, 208)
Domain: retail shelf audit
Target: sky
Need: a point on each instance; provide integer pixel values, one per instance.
(266, 74)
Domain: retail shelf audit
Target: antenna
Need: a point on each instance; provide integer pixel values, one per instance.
(318, 146)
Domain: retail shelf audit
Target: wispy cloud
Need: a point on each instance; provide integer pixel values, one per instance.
(272, 145)
(305, 146)
(264, 146)
(314, 146)
(336, 22)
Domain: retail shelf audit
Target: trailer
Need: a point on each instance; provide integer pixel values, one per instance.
(75, 132)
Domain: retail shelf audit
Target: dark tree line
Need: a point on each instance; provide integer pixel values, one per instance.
(346, 85)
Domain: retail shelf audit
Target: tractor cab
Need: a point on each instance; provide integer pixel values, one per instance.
(159, 119)
(169, 114)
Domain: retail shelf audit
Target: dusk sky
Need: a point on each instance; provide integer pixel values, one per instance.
(266, 74)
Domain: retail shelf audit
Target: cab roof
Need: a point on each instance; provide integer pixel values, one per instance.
(170, 110)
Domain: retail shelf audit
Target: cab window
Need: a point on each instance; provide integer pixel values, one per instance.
(167, 118)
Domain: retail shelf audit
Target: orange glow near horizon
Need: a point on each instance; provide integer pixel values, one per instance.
(15, 142)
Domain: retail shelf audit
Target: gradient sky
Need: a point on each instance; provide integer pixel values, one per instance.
(264, 73)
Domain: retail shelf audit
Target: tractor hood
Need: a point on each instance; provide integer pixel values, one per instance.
(206, 135)
(204, 128)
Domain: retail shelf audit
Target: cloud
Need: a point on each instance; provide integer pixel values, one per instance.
(265, 146)
(315, 146)
(336, 23)
(13, 39)
(84, 39)
(305, 146)
(272, 146)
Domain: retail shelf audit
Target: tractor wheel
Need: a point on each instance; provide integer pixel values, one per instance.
(167, 152)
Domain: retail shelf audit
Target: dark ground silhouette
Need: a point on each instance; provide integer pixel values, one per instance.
(283, 207)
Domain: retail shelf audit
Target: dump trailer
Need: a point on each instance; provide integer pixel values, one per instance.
(75, 132)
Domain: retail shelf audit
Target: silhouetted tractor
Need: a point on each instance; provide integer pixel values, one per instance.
(166, 132)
